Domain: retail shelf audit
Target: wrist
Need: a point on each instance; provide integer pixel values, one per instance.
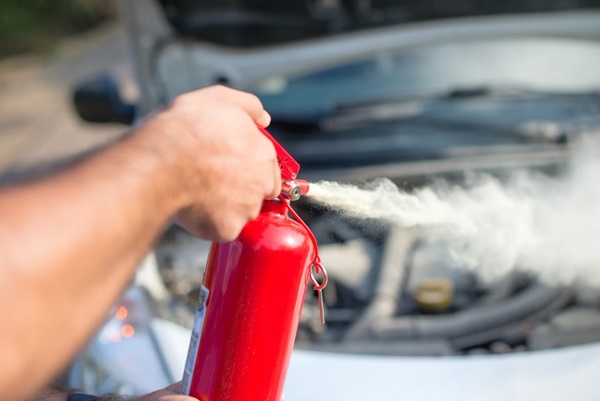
(156, 146)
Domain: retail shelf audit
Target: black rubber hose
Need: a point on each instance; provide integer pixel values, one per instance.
(481, 318)
(514, 331)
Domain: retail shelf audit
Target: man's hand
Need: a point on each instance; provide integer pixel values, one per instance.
(223, 164)
(170, 393)
(71, 241)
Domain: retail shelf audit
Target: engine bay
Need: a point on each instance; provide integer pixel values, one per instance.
(396, 291)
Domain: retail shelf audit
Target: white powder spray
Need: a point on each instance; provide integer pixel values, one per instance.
(549, 227)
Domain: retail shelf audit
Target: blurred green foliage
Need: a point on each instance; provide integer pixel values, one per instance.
(35, 25)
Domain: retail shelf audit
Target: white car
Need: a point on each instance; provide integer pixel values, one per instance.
(413, 92)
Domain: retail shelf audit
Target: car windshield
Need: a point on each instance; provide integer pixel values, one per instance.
(431, 101)
(544, 64)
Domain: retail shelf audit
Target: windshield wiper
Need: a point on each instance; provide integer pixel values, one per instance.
(459, 93)
(348, 114)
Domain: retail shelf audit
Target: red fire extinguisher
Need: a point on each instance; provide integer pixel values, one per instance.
(251, 299)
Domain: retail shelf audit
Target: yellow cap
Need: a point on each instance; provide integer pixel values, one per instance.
(435, 294)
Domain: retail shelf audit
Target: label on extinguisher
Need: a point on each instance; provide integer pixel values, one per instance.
(194, 342)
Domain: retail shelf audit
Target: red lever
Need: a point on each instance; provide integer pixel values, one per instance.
(289, 166)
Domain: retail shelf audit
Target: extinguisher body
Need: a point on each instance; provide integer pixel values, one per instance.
(256, 287)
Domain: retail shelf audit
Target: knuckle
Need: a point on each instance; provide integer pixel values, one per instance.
(228, 232)
(183, 101)
(178, 101)
(219, 89)
(253, 100)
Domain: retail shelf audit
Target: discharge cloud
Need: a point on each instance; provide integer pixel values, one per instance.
(529, 222)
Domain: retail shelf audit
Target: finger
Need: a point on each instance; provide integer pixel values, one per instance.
(250, 103)
(276, 182)
(265, 119)
(175, 387)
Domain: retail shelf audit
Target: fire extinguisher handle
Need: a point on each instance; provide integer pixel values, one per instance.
(289, 166)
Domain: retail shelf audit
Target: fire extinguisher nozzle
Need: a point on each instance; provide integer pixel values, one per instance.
(293, 190)
(304, 186)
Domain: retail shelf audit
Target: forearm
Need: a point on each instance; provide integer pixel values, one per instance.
(68, 244)
(76, 236)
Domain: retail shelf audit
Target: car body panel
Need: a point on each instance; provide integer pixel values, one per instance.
(559, 374)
